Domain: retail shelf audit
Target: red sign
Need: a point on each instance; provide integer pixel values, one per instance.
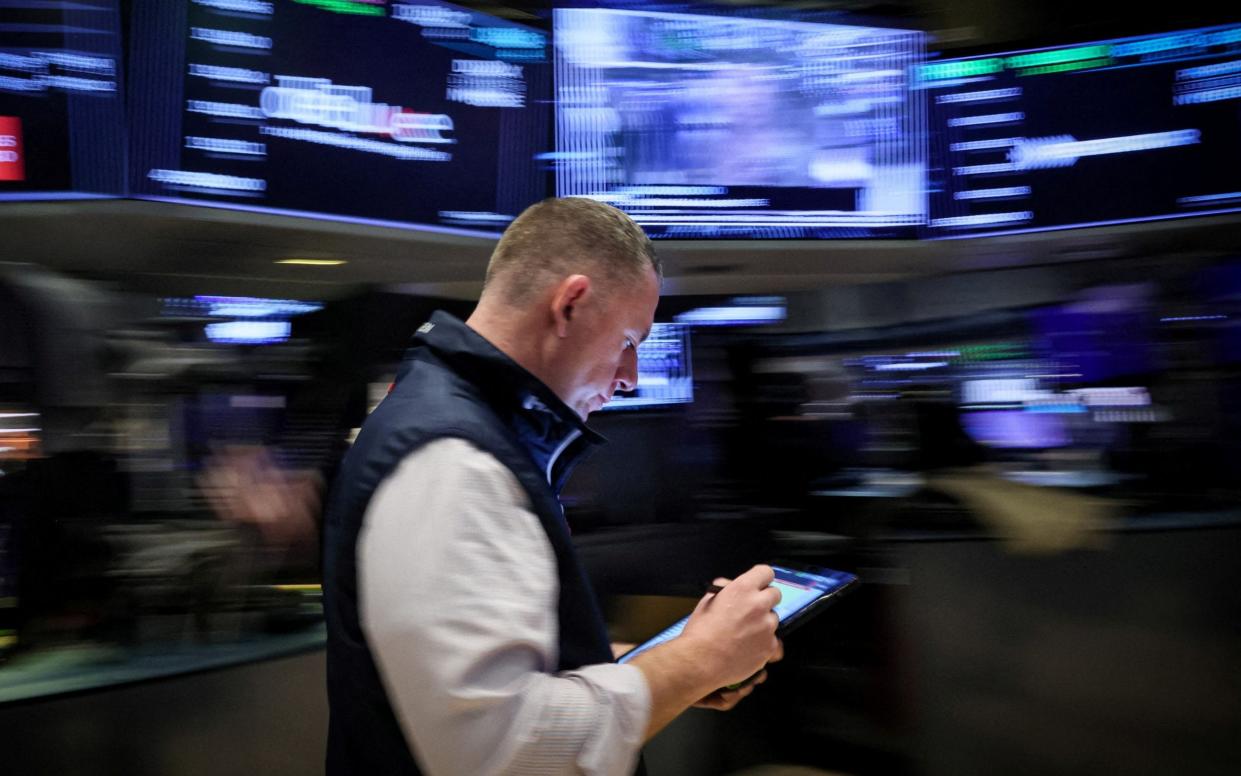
(12, 158)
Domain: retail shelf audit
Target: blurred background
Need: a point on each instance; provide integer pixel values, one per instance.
(953, 302)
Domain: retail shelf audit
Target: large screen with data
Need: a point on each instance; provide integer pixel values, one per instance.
(1108, 132)
(665, 373)
(62, 129)
(721, 127)
(399, 113)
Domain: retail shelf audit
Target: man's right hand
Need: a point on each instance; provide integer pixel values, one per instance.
(734, 631)
(730, 636)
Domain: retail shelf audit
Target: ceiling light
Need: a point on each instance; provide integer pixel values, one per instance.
(313, 262)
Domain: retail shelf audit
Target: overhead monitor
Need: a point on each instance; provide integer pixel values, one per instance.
(62, 127)
(1108, 132)
(723, 127)
(410, 114)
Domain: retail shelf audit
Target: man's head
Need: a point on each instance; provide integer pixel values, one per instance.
(570, 292)
(559, 237)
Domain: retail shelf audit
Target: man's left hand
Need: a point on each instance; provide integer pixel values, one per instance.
(725, 699)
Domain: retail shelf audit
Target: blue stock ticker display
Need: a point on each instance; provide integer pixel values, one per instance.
(719, 127)
(1111, 132)
(61, 111)
(398, 113)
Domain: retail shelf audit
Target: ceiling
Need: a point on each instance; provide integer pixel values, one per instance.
(182, 249)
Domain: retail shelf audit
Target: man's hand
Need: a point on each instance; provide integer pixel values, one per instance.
(734, 630)
(729, 639)
(726, 698)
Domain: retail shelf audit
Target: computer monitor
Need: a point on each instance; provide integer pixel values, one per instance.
(665, 375)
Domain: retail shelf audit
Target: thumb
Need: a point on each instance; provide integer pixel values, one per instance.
(703, 603)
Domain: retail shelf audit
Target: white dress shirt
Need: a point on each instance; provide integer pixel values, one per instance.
(458, 591)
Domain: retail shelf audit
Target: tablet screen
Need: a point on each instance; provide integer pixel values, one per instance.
(798, 589)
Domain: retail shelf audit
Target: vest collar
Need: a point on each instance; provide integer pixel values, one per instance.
(552, 432)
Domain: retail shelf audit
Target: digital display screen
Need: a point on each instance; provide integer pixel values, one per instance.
(798, 589)
(1019, 429)
(664, 372)
(62, 119)
(1104, 333)
(738, 311)
(244, 320)
(390, 112)
(720, 127)
(1109, 132)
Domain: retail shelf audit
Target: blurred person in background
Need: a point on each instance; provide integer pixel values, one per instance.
(245, 485)
(463, 635)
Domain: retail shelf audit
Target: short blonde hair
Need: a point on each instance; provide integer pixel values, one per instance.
(560, 237)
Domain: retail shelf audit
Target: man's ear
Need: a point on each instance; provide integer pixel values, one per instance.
(569, 295)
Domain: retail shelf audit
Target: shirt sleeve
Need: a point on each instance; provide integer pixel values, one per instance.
(458, 592)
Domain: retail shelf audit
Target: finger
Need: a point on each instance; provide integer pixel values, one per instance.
(759, 577)
(772, 621)
(726, 699)
(778, 654)
(726, 705)
(723, 704)
(719, 701)
(771, 597)
(757, 678)
(721, 581)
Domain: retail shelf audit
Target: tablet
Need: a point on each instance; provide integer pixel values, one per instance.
(803, 594)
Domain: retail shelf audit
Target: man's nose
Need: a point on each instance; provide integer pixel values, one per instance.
(627, 373)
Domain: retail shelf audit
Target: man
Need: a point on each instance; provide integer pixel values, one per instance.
(463, 637)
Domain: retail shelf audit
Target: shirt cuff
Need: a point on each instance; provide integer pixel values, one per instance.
(624, 713)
